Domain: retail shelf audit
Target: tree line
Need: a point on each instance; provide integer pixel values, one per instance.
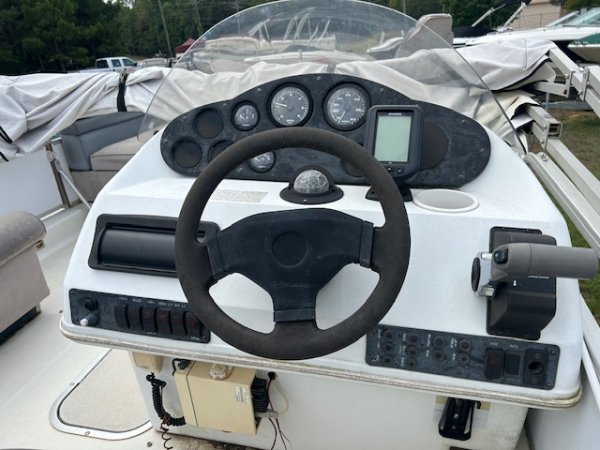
(64, 35)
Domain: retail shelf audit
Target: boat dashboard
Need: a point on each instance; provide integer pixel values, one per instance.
(122, 288)
(435, 146)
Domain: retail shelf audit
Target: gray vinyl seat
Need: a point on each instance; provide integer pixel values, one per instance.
(420, 36)
(96, 148)
(22, 282)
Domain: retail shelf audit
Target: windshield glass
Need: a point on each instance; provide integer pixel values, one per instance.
(285, 38)
(590, 18)
(563, 20)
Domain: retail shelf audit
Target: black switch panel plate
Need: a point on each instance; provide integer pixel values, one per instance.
(482, 358)
(138, 315)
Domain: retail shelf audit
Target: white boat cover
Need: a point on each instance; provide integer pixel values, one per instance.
(36, 107)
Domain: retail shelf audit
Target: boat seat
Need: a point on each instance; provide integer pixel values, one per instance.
(96, 148)
(22, 282)
(420, 35)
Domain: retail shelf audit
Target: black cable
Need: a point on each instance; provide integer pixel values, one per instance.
(276, 425)
(157, 387)
(276, 435)
(164, 437)
(181, 364)
(283, 436)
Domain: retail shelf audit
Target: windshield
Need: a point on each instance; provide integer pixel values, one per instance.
(285, 38)
(588, 19)
(563, 20)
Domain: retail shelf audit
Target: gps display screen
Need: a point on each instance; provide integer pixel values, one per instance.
(392, 136)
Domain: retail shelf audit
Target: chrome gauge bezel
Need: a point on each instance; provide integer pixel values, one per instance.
(277, 118)
(248, 125)
(255, 163)
(328, 106)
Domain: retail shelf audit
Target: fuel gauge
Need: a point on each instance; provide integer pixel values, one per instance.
(245, 117)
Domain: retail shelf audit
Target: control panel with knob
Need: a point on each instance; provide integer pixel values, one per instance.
(137, 315)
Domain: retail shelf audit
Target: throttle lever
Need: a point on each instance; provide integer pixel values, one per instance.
(510, 262)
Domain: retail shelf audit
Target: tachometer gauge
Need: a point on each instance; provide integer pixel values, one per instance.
(245, 117)
(290, 106)
(346, 107)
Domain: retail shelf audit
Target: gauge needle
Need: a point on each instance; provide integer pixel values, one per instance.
(342, 116)
(280, 104)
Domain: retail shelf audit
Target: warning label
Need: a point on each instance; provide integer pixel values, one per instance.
(228, 195)
(241, 394)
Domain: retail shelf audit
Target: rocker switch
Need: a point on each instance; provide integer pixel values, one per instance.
(149, 319)
(134, 317)
(163, 321)
(177, 323)
(193, 325)
(494, 363)
(120, 312)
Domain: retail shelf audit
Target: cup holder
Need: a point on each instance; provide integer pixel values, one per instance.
(445, 201)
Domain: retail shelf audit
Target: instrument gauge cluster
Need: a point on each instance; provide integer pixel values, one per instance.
(371, 114)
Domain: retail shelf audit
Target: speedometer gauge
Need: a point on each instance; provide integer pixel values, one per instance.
(290, 106)
(346, 107)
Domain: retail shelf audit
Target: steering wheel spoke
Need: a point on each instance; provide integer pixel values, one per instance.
(295, 330)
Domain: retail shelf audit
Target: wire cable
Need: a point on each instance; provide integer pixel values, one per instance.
(275, 422)
(276, 435)
(157, 387)
(164, 429)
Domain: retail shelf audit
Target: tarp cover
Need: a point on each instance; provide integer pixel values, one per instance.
(35, 107)
(38, 106)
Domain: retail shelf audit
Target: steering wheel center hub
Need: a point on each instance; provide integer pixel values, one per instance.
(289, 248)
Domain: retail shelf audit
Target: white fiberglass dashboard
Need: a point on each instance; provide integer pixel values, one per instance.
(122, 290)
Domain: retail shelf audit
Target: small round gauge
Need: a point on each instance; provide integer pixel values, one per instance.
(262, 163)
(290, 106)
(245, 117)
(346, 107)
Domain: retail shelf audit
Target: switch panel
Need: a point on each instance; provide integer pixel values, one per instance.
(482, 358)
(138, 315)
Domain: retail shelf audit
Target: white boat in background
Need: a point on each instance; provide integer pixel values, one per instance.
(587, 48)
(561, 32)
(215, 291)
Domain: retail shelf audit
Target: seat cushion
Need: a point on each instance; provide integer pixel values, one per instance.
(86, 136)
(19, 230)
(114, 156)
(98, 122)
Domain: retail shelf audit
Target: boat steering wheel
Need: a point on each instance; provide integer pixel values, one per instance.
(292, 254)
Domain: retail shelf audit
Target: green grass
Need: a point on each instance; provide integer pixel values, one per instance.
(581, 134)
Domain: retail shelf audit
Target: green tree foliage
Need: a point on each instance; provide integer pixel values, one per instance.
(55, 35)
(61, 35)
(466, 12)
(578, 4)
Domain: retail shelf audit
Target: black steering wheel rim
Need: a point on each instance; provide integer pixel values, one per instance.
(295, 340)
